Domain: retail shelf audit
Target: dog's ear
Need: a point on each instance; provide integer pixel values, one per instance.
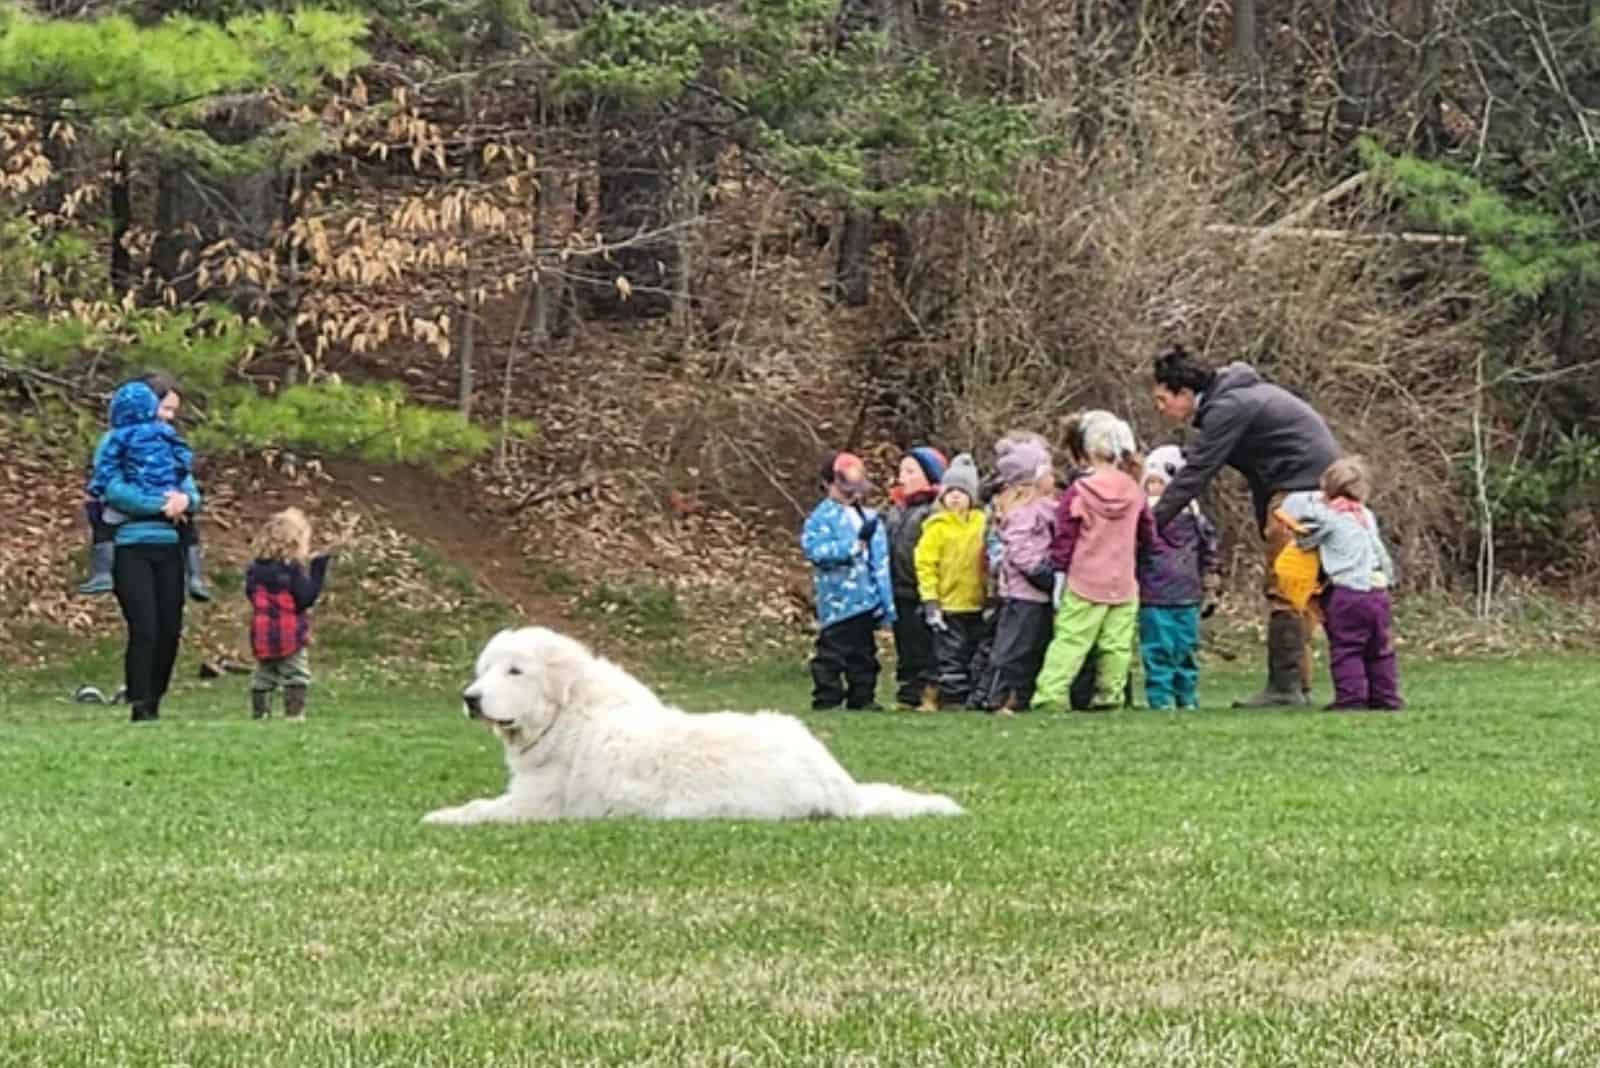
(564, 671)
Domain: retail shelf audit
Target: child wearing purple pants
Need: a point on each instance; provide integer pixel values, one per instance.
(1342, 529)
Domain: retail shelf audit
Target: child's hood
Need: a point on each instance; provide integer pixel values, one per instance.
(1041, 508)
(133, 403)
(944, 517)
(1109, 494)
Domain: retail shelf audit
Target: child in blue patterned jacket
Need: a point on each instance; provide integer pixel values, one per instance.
(848, 550)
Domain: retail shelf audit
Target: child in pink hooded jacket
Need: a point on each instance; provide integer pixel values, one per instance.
(1102, 522)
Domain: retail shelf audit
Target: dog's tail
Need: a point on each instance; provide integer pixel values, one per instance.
(884, 799)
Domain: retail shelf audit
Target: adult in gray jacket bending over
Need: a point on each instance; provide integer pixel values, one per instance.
(1280, 444)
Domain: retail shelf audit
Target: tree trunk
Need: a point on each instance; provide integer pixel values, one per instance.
(1360, 65)
(1246, 55)
(852, 278)
(543, 226)
(467, 329)
(688, 202)
(1246, 65)
(1430, 125)
(633, 208)
(121, 219)
(853, 272)
(466, 340)
(930, 20)
(194, 210)
(64, 153)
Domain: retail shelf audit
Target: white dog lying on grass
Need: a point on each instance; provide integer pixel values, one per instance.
(586, 740)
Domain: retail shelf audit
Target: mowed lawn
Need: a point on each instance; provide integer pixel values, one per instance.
(1216, 888)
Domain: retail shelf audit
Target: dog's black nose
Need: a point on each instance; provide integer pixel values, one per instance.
(473, 702)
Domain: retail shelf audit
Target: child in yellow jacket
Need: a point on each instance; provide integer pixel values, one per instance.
(951, 574)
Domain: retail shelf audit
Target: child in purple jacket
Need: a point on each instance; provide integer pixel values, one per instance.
(1024, 512)
(1172, 584)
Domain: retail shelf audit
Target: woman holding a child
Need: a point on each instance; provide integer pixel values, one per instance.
(144, 475)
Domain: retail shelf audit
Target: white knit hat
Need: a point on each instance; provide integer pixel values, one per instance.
(1164, 463)
(1107, 437)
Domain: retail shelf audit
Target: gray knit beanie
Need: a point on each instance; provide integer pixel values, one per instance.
(962, 474)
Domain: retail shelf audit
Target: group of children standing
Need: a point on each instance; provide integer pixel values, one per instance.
(1033, 588)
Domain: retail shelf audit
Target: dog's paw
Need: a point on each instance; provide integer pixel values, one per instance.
(443, 815)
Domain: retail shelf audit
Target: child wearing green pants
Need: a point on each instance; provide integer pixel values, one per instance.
(1102, 522)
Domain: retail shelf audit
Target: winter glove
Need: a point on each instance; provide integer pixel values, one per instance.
(869, 527)
(933, 615)
(1043, 580)
(1058, 590)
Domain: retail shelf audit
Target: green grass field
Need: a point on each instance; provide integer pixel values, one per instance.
(1145, 888)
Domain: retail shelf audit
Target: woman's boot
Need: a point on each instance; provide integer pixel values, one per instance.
(1286, 641)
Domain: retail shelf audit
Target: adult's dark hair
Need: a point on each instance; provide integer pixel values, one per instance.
(160, 382)
(1176, 369)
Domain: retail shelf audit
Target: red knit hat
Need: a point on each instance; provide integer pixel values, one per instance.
(835, 468)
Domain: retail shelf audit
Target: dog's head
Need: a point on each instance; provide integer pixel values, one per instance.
(524, 680)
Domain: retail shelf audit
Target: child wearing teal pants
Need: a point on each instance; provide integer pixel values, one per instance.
(1173, 575)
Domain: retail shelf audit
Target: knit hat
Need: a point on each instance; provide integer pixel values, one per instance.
(931, 460)
(1107, 437)
(1023, 462)
(1164, 463)
(1014, 438)
(834, 467)
(962, 474)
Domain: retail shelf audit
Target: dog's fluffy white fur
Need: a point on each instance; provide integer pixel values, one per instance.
(586, 740)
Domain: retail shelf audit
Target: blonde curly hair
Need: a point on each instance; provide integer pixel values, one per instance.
(286, 536)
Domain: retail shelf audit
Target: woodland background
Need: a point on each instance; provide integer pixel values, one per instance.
(582, 291)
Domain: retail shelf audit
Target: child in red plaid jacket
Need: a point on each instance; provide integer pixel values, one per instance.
(281, 593)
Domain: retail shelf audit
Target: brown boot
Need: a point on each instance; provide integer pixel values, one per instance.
(1009, 707)
(260, 704)
(294, 702)
(930, 699)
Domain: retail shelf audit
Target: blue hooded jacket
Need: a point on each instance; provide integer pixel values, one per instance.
(137, 463)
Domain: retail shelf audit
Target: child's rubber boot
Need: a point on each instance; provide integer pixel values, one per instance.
(260, 704)
(193, 564)
(294, 702)
(102, 554)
